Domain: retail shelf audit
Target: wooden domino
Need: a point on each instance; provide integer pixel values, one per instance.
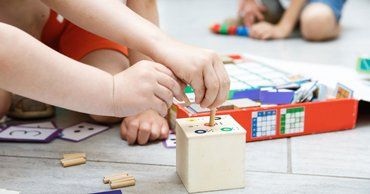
(210, 157)
(119, 180)
(73, 159)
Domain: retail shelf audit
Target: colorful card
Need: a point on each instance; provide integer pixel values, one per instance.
(28, 134)
(170, 142)
(82, 131)
(342, 91)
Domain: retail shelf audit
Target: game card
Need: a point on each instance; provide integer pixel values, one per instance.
(28, 134)
(170, 142)
(82, 131)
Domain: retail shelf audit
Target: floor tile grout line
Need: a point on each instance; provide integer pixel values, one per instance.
(289, 156)
(165, 165)
(89, 160)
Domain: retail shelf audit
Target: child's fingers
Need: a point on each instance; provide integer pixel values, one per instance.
(223, 92)
(165, 95)
(212, 86)
(160, 106)
(198, 85)
(172, 84)
(156, 131)
(123, 130)
(132, 130)
(259, 15)
(144, 133)
(164, 131)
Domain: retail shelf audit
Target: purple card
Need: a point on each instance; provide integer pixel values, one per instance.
(28, 134)
(82, 131)
(110, 192)
(170, 142)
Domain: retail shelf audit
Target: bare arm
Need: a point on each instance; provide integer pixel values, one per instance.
(148, 10)
(113, 20)
(291, 15)
(33, 70)
(201, 68)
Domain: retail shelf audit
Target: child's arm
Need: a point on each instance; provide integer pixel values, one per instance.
(284, 28)
(148, 10)
(33, 70)
(201, 68)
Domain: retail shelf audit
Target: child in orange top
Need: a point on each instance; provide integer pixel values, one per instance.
(114, 83)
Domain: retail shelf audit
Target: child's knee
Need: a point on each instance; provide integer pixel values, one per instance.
(105, 120)
(318, 22)
(5, 102)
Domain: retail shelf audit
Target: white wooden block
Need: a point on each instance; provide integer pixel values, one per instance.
(210, 158)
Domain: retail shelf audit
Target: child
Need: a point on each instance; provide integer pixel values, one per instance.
(145, 89)
(273, 19)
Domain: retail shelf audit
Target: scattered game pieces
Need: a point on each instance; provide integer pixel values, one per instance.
(230, 29)
(342, 91)
(119, 180)
(363, 64)
(170, 142)
(28, 134)
(82, 131)
(204, 160)
(276, 96)
(107, 179)
(306, 92)
(73, 159)
(74, 155)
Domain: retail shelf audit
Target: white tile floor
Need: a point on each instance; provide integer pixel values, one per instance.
(325, 163)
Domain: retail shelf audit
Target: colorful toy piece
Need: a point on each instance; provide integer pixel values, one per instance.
(229, 29)
(363, 64)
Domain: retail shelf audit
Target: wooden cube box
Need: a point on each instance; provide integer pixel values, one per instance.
(210, 158)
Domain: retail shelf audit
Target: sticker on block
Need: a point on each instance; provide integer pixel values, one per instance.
(263, 123)
(292, 120)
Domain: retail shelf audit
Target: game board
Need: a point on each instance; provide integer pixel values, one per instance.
(248, 77)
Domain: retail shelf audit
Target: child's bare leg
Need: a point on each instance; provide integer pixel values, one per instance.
(5, 102)
(318, 23)
(110, 61)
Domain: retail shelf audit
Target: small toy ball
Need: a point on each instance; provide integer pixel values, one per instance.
(215, 28)
(242, 31)
(232, 30)
(223, 29)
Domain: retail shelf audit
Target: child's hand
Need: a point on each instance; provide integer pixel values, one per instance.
(144, 127)
(201, 68)
(145, 85)
(265, 30)
(250, 11)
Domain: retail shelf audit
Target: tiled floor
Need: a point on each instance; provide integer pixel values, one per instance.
(325, 163)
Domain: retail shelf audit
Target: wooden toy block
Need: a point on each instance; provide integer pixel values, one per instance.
(210, 157)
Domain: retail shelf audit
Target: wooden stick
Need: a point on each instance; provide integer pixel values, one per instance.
(74, 155)
(212, 117)
(120, 184)
(107, 179)
(72, 162)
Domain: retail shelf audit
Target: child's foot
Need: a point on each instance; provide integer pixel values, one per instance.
(25, 108)
(144, 127)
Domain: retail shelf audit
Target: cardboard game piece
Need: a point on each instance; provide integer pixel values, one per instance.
(276, 96)
(363, 64)
(82, 131)
(170, 142)
(210, 157)
(28, 134)
(342, 91)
